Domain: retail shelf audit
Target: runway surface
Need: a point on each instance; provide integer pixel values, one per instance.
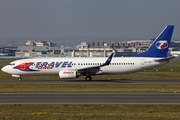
(89, 98)
(74, 81)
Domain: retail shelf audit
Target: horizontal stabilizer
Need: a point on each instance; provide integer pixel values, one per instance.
(165, 59)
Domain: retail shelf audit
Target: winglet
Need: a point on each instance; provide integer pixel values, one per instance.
(108, 61)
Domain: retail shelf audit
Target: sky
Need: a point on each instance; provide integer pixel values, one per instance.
(69, 22)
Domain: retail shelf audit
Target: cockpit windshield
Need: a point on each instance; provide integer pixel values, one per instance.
(12, 64)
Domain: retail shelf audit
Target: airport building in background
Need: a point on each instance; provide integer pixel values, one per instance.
(33, 48)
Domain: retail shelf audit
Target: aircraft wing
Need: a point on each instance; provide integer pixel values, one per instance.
(165, 59)
(95, 69)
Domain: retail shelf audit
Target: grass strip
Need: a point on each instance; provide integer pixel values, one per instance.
(89, 88)
(89, 112)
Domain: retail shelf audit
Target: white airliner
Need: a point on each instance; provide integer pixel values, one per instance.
(156, 55)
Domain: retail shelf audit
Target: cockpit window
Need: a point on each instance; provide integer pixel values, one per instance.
(12, 64)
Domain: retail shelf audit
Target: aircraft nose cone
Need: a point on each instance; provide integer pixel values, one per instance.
(4, 69)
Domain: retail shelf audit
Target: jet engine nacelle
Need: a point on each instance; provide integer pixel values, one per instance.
(68, 74)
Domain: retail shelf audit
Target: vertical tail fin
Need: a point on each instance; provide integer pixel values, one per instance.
(159, 48)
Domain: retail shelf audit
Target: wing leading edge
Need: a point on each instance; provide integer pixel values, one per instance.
(95, 69)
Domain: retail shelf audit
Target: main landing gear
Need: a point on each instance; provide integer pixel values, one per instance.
(88, 78)
(20, 79)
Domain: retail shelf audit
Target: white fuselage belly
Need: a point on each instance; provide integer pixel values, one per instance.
(118, 65)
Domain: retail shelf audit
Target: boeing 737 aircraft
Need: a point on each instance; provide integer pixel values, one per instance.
(156, 55)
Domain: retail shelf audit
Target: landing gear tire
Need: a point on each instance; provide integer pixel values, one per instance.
(20, 79)
(88, 78)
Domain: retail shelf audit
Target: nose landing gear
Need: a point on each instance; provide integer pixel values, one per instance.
(17, 76)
